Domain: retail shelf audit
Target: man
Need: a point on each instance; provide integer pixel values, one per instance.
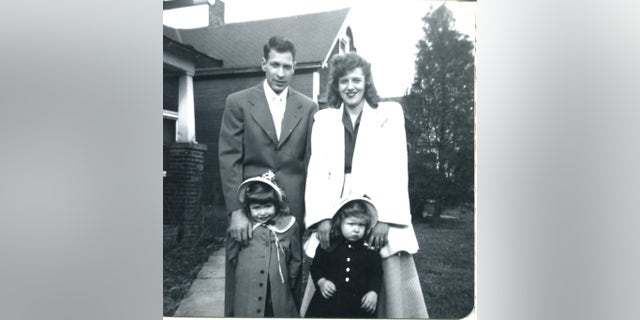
(266, 127)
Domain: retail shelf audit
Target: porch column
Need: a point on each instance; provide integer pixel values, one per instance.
(186, 126)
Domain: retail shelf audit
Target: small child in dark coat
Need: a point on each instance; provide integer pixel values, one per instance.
(348, 275)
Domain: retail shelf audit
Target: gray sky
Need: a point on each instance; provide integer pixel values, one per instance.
(385, 32)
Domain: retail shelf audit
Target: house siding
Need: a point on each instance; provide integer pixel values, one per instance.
(169, 102)
(324, 87)
(210, 95)
(170, 93)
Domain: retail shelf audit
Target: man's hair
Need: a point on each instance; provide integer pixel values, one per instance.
(279, 44)
(339, 66)
(357, 209)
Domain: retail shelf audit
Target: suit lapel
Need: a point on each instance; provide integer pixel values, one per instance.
(292, 116)
(261, 113)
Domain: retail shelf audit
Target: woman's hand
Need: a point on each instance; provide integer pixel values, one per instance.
(324, 233)
(378, 236)
(327, 288)
(369, 302)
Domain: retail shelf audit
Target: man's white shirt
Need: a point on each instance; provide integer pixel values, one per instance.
(277, 105)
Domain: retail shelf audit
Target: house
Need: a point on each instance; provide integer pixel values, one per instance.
(183, 157)
(317, 37)
(179, 64)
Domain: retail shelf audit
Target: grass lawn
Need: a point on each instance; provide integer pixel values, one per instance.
(445, 263)
(182, 263)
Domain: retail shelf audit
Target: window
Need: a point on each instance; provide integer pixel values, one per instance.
(169, 132)
(344, 45)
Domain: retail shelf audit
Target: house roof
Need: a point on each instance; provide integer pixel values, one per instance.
(200, 59)
(239, 45)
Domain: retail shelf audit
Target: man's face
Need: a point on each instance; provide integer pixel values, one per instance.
(278, 69)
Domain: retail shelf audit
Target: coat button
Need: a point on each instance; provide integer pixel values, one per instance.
(348, 259)
(258, 311)
(348, 269)
(346, 279)
(261, 271)
(259, 298)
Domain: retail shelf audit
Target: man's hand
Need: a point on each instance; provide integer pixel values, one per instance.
(378, 236)
(239, 227)
(369, 302)
(327, 288)
(324, 233)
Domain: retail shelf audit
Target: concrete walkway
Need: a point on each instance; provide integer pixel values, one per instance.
(206, 295)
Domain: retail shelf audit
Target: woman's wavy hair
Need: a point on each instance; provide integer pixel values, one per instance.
(262, 193)
(339, 66)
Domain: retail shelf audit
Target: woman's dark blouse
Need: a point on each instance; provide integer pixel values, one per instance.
(350, 135)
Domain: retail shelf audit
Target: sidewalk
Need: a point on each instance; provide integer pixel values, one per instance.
(206, 295)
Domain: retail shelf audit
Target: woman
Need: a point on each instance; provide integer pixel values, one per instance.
(358, 146)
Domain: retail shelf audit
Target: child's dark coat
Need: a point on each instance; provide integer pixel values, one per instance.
(354, 269)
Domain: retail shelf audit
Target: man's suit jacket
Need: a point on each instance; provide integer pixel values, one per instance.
(248, 145)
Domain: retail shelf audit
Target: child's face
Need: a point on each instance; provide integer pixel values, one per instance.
(353, 228)
(262, 212)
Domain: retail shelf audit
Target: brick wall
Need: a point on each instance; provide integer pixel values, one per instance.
(183, 190)
(216, 14)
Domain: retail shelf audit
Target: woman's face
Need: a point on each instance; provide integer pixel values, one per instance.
(351, 87)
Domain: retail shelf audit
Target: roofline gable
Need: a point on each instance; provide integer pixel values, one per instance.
(341, 31)
(239, 44)
(186, 57)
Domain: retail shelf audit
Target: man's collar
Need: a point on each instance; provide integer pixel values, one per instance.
(270, 94)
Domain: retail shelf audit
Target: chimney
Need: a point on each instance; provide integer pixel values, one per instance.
(216, 14)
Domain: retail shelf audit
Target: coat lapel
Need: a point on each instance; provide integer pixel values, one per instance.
(261, 113)
(366, 142)
(292, 116)
(338, 141)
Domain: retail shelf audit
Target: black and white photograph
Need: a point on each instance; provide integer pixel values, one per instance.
(318, 159)
(405, 159)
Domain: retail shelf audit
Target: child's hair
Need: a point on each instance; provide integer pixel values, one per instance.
(356, 209)
(261, 193)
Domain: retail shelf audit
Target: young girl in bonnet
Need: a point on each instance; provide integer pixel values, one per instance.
(347, 275)
(266, 268)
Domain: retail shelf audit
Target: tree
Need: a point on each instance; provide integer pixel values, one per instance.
(439, 111)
